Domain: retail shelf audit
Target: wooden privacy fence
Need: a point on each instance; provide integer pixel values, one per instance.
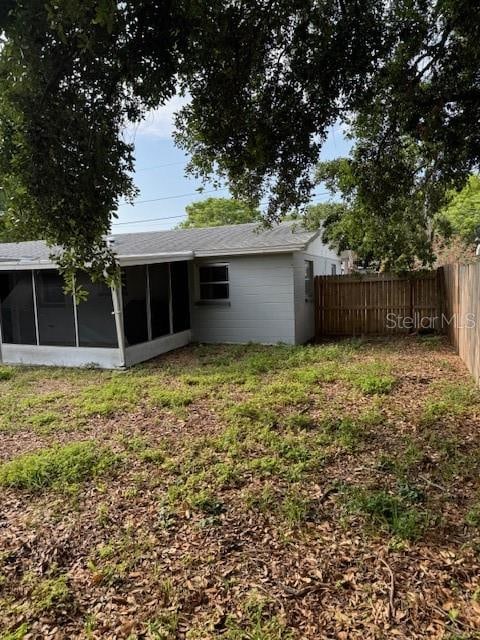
(376, 304)
(461, 314)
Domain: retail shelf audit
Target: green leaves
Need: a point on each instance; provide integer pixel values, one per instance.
(265, 83)
(463, 211)
(214, 212)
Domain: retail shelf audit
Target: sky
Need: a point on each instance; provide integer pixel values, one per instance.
(164, 189)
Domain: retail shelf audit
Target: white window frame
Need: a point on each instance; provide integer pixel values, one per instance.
(333, 269)
(199, 283)
(309, 282)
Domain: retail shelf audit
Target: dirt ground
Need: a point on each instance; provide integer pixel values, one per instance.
(245, 493)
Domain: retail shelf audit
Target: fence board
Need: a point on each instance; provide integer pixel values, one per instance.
(360, 305)
(461, 289)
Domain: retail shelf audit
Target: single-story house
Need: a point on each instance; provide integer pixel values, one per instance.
(229, 284)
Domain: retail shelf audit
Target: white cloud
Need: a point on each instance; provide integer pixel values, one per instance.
(159, 122)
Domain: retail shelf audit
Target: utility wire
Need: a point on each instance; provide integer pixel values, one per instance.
(183, 215)
(180, 195)
(150, 220)
(187, 195)
(160, 166)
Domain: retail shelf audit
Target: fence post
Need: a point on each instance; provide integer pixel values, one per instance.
(316, 292)
(440, 287)
(411, 302)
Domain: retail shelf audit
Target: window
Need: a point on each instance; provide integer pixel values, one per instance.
(334, 269)
(213, 280)
(96, 322)
(17, 315)
(134, 293)
(55, 312)
(308, 279)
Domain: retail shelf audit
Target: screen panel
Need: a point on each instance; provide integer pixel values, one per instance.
(159, 278)
(16, 307)
(96, 320)
(180, 296)
(134, 294)
(56, 323)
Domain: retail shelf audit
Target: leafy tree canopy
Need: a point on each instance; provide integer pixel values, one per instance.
(394, 234)
(462, 213)
(11, 229)
(266, 80)
(214, 212)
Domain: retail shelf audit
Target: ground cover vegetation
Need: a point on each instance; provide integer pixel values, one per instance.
(243, 492)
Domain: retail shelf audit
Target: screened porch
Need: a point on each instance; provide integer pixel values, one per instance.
(147, 315)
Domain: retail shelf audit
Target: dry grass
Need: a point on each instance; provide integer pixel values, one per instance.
(246, 493)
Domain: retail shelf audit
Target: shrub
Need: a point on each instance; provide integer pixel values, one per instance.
(57, 466)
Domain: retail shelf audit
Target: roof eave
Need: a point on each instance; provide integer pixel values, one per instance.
(152, 258)
(252, 251)
(23, 265)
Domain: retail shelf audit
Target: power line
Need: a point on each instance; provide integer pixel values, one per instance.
(150, 220)
(187, 195)
(183, 215)
(160, 166)
(180, 195)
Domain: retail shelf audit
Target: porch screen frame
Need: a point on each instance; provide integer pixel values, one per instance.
(32, 270)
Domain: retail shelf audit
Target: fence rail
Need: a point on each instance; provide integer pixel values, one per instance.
(376, 304)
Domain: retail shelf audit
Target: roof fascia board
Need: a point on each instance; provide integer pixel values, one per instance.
(252, 251)
(17, 265)
(152, 258)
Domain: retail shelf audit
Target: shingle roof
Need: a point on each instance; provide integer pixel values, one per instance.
(223, 240)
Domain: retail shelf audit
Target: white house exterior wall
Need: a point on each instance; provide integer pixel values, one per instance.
(260, 308)
(323, 258)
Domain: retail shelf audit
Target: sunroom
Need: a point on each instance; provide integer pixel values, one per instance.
(230, 284)
(114, 328)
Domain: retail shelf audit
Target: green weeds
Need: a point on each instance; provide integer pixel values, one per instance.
(57, 467)
(449, 400)
(48, 593)
(396, 513)
(119, 393)
(371, 378)
(18, 634)
(172, 398)
(6, 373)
(257, 622)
